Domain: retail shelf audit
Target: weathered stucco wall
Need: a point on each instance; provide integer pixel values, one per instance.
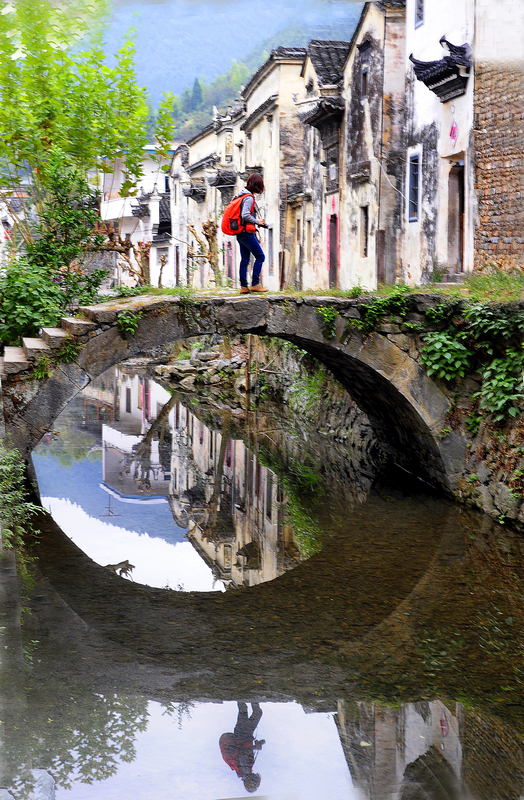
(440, 133)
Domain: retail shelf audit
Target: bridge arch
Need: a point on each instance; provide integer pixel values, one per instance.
(381, 372)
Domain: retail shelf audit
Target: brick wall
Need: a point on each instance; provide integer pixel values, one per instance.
(499, 164)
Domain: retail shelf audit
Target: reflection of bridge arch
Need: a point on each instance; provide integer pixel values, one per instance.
(430, 777)
(302, 616)
(406, 407)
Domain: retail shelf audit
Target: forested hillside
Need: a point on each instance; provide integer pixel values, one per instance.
(193, 108)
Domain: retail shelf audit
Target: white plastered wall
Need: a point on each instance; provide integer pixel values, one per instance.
(454, 19)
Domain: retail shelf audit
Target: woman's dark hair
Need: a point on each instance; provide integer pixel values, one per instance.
(255, 183)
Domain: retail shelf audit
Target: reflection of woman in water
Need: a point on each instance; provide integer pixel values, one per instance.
(238, 748)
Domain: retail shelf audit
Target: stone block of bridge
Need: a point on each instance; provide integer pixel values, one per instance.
(103, 352)
(43, 401)
(241, 315)
(283, 319)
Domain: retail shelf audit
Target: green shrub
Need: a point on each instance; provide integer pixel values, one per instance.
(445, 355)
(15, 511)
(128, 322)
(502, 385)
(329, 321)
(397, 302)
(29, 300)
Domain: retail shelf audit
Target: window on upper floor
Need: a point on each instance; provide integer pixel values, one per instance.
(364, 83)
(419, 12)
(414, 181)
(167, 186)
(364, 231)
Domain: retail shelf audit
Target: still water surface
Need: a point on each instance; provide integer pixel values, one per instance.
(358, 636)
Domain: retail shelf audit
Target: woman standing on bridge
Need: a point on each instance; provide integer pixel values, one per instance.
(248, 238)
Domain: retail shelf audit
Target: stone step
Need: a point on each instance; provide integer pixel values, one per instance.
(2, 373)
(77, 327)
(15, 360)
(34, 347)
(54, 337)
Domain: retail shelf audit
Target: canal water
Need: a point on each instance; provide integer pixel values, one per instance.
(229, 604)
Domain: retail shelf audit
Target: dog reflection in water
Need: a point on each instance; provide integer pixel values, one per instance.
(240, 748)
(124, 569)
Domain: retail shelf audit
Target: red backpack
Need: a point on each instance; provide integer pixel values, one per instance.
(231, 220)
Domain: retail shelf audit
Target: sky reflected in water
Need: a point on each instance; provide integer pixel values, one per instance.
(179, 757)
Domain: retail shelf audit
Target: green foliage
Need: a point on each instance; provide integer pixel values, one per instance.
(49, 87)
(301, 483)
(127, 322)
(502, 385)
(356, 291)
(444, 311)
(329, 321)
(29, 300)
(488, 321)
(36, 289)
(196, 96)
(131, 291)
(305, 392)
(15, 511)
(484, 336)
(494, 284)
(397, 302)
(445, 355)
(43, 368)
(65, 232)
(69, 351)
(473, 424)
(193, 109)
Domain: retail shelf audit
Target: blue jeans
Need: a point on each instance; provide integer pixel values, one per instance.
(249, 245)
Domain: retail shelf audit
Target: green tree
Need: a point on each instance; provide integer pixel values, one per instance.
(66, 117)
(186, 101)
(196, 96)
(56, 90)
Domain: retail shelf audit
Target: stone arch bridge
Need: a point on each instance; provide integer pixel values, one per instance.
(381, 371)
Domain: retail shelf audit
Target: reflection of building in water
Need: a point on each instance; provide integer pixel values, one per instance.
(154, 448)
(430, 750)
(135, 465)
(401, 753)
(231, 503)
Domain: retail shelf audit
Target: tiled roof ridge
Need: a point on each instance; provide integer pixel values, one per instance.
(291, 50)
(330, 43)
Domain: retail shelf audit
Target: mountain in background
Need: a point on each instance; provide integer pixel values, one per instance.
(205, 52)
(193, 108)
(178, 40)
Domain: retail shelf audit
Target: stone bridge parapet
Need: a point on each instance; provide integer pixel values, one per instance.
(381, 371)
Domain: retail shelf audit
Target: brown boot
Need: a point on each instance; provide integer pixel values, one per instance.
(244, 290)
(258, 288)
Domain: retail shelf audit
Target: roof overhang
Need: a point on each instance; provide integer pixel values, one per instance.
(259, 113)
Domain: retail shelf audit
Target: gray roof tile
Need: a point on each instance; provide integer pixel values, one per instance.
(328, 57)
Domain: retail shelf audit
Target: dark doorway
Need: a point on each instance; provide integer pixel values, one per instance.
(456, 219)
(177, 265)
(333, 251)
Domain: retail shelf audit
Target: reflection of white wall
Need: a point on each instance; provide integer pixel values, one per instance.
(382, 742)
